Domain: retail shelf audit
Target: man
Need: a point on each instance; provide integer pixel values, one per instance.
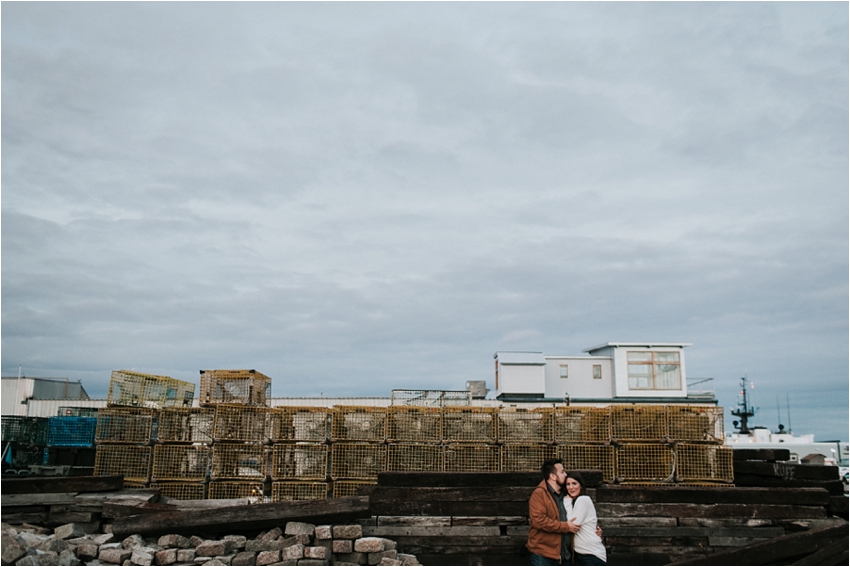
(549, 534)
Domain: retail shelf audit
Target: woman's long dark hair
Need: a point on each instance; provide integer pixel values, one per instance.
(575, 475)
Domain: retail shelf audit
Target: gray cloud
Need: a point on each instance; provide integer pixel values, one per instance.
(358, 197)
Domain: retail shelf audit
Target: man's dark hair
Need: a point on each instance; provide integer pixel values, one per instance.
(549, 467)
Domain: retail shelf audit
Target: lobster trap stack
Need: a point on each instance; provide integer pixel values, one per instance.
(300, 453)
(25, 440)
(242, 431)
(127, 430)
(358, 450)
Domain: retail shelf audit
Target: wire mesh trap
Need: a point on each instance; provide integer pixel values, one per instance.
(300, 424)
(422, 457)
(236, 489)
(688, 423)
(582, 456)
(186, 425)
(304, 461)
(180, 462)
(639, 423)
(247, 387)
(704, 463)
(135, 389)
(357, 460)
(359, 423)
(582, 424)
(470, 424)
(525, 456)
(343, 488)
(283, 491)
(133, 462)
(239, 461)
(71, 431)
(182, 490)
(517, 425)
(249, 424)
(125, 425)
(472, 457)
(418, 424)
(641, 461)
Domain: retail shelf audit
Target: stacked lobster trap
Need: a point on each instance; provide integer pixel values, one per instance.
(126, 430)
(358, 450)
(241, 431)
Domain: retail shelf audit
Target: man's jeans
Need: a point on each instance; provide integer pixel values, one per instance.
(535, 559)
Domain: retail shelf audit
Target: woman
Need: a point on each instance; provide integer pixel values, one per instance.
(587, 545)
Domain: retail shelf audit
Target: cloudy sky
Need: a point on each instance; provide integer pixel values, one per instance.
(352, 198)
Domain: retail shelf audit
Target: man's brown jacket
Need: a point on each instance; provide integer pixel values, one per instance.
(544, 535)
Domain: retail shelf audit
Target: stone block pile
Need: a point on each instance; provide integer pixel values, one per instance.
(297, 543)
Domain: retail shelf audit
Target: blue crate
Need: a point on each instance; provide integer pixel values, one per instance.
(71, 431)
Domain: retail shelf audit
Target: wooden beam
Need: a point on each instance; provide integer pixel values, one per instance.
(45, 499)
(243, 518)
(834, 487)
(771, 455)
(36, 485)
(592, 479)
(615, 510)
(451, 494)
(712, 495)
(786, 470)
(776, 551)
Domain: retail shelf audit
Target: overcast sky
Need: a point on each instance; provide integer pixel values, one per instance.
(352, 198)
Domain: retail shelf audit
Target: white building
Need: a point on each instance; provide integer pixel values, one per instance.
(608, 373)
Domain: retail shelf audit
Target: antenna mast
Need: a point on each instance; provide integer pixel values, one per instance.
(745, 410)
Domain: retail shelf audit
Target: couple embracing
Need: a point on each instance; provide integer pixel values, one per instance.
(563, 520)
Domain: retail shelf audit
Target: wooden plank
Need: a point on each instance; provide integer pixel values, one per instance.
(726, 522)
(490, 520)
(38, 518)
(833, 554)
(451, 494)
(772, 455)
(646, 521)
(592, 478)
(786, 470)
(391, 532)
(241, 518)
(37, 499)
(712, 495)
(660, 542)
(422, 521)
(36, 485)
(72, 517)
(477, 558)
(679, 531)
(774, 551)
(517, 531)
(608, 509)
(834, 487)
(126, 494)
(459, 545)
(400, 508)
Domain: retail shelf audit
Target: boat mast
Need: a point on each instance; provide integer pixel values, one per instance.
(744, 411)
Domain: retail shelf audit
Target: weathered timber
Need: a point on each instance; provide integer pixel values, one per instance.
(642, 522)
(37, 485)
(35, 517)
(606, 509)
(489, 520)
(71, 517)
(776, 551)
(429, 521)
(417, 508)
(679, 531)
(638, 542)
(834, 487)
(479, 557)
(459, 545)
(786, 470)
(209, 504)
(391, 532)
(592, 479)
(839, 506)
(120, 509)
(712, 495)
(771, 455)
(129, 495)
(243, 518)
(451, 494)
(833, 554)
(37, 499)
